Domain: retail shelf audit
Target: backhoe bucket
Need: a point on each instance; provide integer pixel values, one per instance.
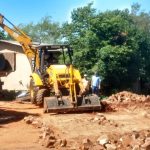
(88, 103)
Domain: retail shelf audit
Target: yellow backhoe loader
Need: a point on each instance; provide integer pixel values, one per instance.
(57, 87)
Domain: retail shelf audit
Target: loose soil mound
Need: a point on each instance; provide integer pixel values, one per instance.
(125, 99)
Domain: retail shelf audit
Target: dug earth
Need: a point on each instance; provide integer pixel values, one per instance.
(124, 124)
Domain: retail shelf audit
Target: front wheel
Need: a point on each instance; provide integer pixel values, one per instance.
(40, 96)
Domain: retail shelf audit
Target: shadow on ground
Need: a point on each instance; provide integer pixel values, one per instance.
(9, 116)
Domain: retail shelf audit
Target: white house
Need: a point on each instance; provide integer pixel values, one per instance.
(19, 76)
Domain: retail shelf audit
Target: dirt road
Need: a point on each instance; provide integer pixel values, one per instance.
(15, 134)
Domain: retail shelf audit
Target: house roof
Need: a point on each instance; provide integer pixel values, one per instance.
(39, 45)
(11, 42)
(16, 43)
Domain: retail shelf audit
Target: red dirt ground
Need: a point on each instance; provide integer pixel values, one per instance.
(15, 134)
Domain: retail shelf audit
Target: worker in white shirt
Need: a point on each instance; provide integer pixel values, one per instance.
(85, 81)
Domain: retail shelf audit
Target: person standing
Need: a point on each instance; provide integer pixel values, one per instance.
(85, 81)
(95, 83)
(86, 86)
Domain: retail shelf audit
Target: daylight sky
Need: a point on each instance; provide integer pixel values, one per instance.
(26, 11)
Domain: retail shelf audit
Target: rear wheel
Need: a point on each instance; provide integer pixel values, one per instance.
(40, 96)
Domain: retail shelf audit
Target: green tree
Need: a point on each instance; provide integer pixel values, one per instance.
(2, 35)
(107, 42)
(78, 33)
(45, 31)
(118, 64)
(117, 59)
(141, 21)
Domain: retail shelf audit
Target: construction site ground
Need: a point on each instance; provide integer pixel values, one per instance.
(77, 131)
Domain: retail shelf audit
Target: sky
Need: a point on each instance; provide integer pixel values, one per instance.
(26, 11)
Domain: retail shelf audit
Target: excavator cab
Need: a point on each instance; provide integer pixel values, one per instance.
(62, 89)
(49, 55)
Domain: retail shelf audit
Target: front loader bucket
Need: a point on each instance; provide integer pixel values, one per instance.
(89, 103)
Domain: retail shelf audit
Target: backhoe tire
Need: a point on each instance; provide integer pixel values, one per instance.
(32, 92)
(40, 96)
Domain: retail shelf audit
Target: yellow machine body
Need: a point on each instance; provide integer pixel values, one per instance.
(37, 79)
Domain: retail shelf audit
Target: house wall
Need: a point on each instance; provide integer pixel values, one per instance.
(18, 79)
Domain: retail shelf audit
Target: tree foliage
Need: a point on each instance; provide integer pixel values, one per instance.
(45, 31)
(118, 64)
(2, 35)
(114, 43)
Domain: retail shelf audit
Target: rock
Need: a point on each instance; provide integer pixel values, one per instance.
(63, 143)
(126, 140)
(146, 145)
(119, 146)
(110, 147)
(86, 144)
(135, 135)
(40, 136)
(58, 142)
(47, 129)
(100, 118)
(116, 125)
(85, 141)
(50, 143)
(98, 147)
(145, 114)
(52, 137)
(84, 147)
(136, 147)
(138, 141)
(96, 119)
(45, 134)
(28, 119)
(42, 129)
(147, 98)
(98, 114)
(102, 140)
(147, 134)
(37, 124)
(147, 139)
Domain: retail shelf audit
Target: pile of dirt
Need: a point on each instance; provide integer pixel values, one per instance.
(125, 99)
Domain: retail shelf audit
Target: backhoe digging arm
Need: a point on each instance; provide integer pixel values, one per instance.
(25, 41)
